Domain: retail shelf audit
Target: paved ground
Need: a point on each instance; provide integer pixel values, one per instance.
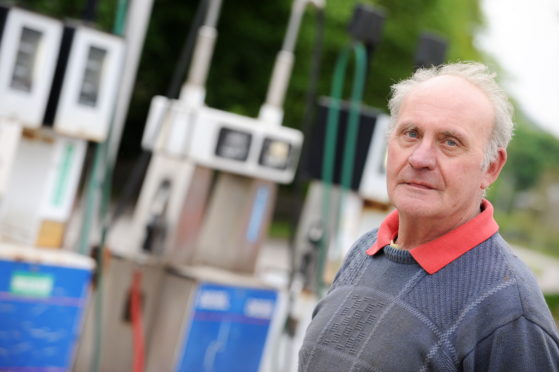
(545, 267)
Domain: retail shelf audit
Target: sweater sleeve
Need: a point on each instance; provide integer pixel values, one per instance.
(520, 345)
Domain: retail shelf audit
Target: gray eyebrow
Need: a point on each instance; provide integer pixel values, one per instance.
(451, 133)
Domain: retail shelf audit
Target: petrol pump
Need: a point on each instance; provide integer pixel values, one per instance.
(230, 312)
(204, 305)
(57, 82)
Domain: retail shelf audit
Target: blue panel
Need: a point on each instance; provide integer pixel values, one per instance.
(257, 213)
(38, 332)
(228, 329)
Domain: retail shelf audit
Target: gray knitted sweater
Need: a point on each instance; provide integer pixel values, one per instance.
(481, 312)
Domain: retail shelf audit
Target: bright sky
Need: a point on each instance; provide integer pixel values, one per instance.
(523, 36)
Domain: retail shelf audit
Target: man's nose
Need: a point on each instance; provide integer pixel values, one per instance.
(423, 156)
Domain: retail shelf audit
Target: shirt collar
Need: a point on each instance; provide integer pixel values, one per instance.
(436, 254)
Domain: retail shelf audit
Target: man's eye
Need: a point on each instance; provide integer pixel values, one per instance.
(451, 143)
(411, 133)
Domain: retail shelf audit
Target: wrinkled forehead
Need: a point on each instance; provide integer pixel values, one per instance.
(453, 90)
(449, 97)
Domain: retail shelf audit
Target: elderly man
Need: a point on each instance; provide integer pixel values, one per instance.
(436, 288)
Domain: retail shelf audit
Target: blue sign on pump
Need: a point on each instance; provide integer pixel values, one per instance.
(41, 308)
(257, 213)
(228, 329)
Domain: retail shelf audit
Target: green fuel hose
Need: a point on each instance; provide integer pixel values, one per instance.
(330, 141)
(99, 180)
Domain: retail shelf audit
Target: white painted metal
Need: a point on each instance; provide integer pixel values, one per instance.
(86, 102)
(373, 182)
(276, 162)
(28, 54)
(42, 185)
(10, 134)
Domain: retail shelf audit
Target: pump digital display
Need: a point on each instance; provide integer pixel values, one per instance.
(275, 153)
(24, 66)
(89, 90)
(233, 144)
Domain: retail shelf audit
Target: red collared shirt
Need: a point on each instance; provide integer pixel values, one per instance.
(438, 253)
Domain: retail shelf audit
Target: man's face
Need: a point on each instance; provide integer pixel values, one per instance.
(436, 150)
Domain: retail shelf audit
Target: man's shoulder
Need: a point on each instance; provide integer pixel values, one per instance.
(534, 307)
(354, 261)
(360, 246)
(512, 267)
(487, 283)
(495, 261)
(514, 288)
(367, 239)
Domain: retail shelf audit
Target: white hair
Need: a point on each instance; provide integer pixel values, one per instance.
(477, 74)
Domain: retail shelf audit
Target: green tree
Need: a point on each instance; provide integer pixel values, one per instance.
(531, 153)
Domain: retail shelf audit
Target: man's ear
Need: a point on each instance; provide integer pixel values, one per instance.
(494, 169)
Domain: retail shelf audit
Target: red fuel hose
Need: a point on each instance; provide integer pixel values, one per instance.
(137, 322)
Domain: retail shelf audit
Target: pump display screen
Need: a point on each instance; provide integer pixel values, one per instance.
(275, 153)
(233, 144)
(91, 82)
(22, 76)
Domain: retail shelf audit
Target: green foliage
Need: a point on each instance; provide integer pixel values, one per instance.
(524, 228)
(280, 229)
(406, 20)
(530, 170)
(74, 9)
(249, 39)
(530, 153)
(553, 303)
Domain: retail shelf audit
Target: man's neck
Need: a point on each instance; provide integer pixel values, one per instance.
(414, 231)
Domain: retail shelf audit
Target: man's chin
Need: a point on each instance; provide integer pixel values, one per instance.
(415, 206)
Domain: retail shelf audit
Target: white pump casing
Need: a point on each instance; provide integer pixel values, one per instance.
(28, 54)
(243, 145)
(373, 182)
(223, 140)
(90, 84)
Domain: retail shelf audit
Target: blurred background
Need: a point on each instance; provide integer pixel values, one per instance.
(243, 185)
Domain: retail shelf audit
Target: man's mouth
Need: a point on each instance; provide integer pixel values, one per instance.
(419, 185)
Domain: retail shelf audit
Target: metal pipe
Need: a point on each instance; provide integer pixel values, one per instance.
(205, 43)
(285, 58)
(295, 18)
(136, 26)
(203, 53)
(213, 13)
(280, 79)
